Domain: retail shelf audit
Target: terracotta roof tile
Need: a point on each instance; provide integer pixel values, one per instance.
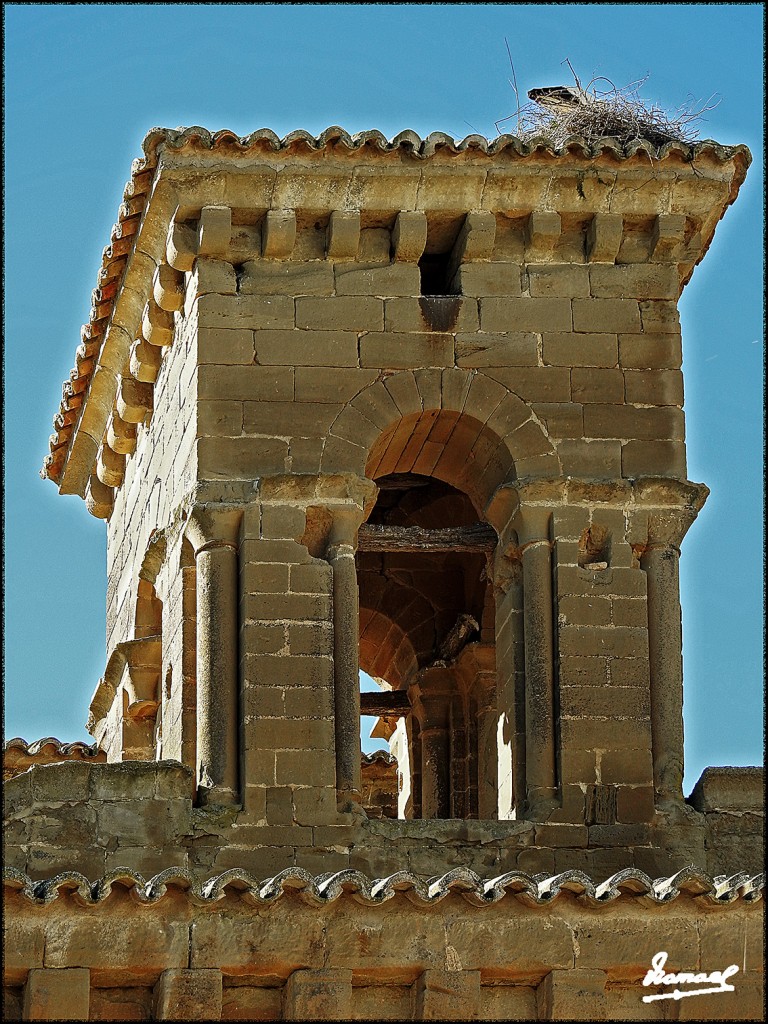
(320, 890)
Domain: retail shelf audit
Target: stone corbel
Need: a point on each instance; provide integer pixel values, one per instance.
(157, 324)
(110, 466)
(668, 238)
(210, 237)
(121, 435)
(99, 498)
(543, 231)
(343, 234)
(278, 235)
(409, 236)
(145, 361)
(475, 240)
(134, 400)
(604, 236)
(168, 288)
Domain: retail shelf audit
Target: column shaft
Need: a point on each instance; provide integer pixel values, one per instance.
(217, 673)
(435, 764)
(539, 671)
(665, 644)
(346, 674)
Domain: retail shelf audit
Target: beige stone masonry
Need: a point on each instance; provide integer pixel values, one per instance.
(343, 234)
(183, 994)
(51, 994)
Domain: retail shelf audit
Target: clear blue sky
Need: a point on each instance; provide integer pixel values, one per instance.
(85, 83)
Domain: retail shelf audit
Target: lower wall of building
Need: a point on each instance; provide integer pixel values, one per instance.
(175, 960)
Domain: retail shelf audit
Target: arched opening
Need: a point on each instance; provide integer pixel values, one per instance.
(426, 603)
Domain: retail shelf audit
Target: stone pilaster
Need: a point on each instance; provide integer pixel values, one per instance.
(214, 535)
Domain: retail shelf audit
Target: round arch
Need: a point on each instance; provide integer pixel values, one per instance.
(459, 426)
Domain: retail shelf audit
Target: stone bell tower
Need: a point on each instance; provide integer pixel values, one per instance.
(412, 407)
(407, 393)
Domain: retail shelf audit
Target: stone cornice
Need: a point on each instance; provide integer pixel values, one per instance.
(168, 176)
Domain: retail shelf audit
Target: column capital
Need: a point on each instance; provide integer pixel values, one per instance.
(210, 526)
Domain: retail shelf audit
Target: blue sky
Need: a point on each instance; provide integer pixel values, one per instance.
(85, 83)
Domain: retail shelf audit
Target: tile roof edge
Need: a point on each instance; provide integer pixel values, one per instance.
(320, 890)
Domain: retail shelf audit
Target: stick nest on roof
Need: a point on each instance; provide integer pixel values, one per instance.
(602, 110)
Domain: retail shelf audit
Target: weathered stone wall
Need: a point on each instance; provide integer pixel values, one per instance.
(139, 815)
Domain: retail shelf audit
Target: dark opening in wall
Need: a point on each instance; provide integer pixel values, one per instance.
(434, 273)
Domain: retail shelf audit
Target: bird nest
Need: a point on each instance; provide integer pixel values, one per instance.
(603, 110)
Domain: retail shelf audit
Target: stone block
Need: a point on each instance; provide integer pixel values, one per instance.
(731, 789)
(635, 803)
(428, 313)
(600, 386)
(264, 277)
(507, 1002)
(654, 387)
(653, 458)
(253, 312)
(524, 314)
(225, 346)
(326, 386)
(650, 351)
(183, 994)
(552, 280)
(57, 994)
(478, 349)
(606, 315)
(251, 1002)
(305, 348)
(288, 419)
(535, 384)
(219, 418)
(637, 280)
(561, 419)
(355, 279)
(134, 1003)
(604, 237)
(634, 423)
(659, 316)
(479, 279)
(572, 995)
(595, 459)
(324, 994)
(447, 995)
(211, 276)
(235, 458)
(67, 781)
(245, 383)
(403, 351)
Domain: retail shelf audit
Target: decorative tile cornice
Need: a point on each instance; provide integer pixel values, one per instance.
(320, 890)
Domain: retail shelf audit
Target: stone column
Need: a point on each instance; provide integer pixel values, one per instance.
(509, 741)
(346, 615)
(487, 757)
(536, 556)
(214, 535)
(665, 651)
(669, 507)
(431, 707)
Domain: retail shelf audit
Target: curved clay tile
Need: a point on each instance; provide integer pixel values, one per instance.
(320, 890)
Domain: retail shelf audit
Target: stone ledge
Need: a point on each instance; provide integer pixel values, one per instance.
(729, 789)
